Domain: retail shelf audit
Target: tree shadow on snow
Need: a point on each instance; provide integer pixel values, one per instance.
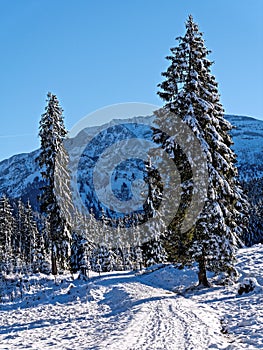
(69, 291)
(119, 301)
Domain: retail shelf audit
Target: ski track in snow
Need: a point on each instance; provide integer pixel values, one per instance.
(161, 320)
(129, 315)
(125, 311)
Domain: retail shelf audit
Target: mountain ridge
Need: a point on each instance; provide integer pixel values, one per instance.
(20, 176)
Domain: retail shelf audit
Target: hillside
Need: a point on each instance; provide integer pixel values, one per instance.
(153, 309)
(248, 145)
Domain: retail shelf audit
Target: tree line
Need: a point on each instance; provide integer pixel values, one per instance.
(26, 245)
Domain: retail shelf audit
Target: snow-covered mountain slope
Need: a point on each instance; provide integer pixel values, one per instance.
(20, 176)
(248, 145)
(134, 311)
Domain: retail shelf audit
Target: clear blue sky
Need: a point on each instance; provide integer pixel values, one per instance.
(95, 53)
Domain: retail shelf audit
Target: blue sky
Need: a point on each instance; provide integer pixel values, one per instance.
(96, 53)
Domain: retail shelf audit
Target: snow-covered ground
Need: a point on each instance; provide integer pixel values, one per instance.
(125, 310)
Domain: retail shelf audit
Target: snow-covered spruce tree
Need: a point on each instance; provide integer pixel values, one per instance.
(80, 254)
(255, 234)
(137, 257)
(81, 246)
(43, 245)
(53, 161)
(253, 188)
(190, 92)
(7, 229)
(17, 240)
(153, 251)
(25, 237)
(31, 234)
(102, 259)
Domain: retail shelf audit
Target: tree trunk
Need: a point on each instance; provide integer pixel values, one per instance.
(202, 278)
(54, 268)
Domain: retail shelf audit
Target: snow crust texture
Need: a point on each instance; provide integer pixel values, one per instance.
(153, 309)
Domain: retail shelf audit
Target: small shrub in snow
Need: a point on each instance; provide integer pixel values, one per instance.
(247, 285)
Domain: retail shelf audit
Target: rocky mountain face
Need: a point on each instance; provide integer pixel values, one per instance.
(20, 176)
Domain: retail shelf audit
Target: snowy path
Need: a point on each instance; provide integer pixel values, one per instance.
(125, 311)
(161, 320)
(118, 311)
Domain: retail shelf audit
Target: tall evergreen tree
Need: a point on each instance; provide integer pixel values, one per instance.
(53, 160)
(255, 234)
(81, 246)
(153, 251)
(26, 233)
(18, 235)
(43, 245)
(254, 190)
(7, 228)
(190, 91)
(30, 236)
